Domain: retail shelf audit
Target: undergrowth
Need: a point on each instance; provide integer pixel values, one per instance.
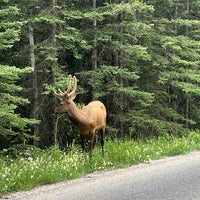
(53, 165)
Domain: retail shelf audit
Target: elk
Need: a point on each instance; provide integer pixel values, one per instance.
(89, 119)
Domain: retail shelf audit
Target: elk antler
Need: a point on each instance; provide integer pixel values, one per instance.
(72, 94)
(69, 84)
(61, 93)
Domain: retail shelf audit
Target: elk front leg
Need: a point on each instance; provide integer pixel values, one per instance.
(83, 144)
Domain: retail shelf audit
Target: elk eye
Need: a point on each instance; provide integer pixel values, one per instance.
(61, 103)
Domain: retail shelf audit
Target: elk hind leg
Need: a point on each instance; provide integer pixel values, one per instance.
(102, 135)
(92, 138)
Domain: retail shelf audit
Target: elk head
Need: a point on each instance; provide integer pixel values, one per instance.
(67, 96)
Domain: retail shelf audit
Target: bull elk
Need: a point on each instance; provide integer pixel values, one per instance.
(89, 119)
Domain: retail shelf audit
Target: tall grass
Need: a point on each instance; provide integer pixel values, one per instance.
(53, 165)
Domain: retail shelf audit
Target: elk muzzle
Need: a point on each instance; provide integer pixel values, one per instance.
(56, 110)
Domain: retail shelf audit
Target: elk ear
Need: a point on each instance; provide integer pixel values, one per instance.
(73, 96)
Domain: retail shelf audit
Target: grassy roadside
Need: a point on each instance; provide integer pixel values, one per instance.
(44, 167)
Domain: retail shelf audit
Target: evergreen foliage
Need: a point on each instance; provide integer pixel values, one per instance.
(141, 58)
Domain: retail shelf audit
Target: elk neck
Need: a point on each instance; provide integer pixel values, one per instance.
(75, 114)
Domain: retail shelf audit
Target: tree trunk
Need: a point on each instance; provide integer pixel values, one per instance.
(187, 12)
(187, 95)
(187, 111)
(94, 50)
(35, 81)
(120, 64)
(54, 66)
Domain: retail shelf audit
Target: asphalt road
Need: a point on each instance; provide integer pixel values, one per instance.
(175, 178)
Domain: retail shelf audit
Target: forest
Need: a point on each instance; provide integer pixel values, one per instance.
(141, 58)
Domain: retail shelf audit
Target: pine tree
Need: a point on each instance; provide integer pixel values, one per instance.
(13, 127)
(175, 63)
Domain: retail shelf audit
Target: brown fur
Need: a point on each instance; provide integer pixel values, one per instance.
(89, 119)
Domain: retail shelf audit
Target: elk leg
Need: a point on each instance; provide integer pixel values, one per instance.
(102, 133)
(83, 144)
(91, 145)
(95, 139)
(92, 142)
